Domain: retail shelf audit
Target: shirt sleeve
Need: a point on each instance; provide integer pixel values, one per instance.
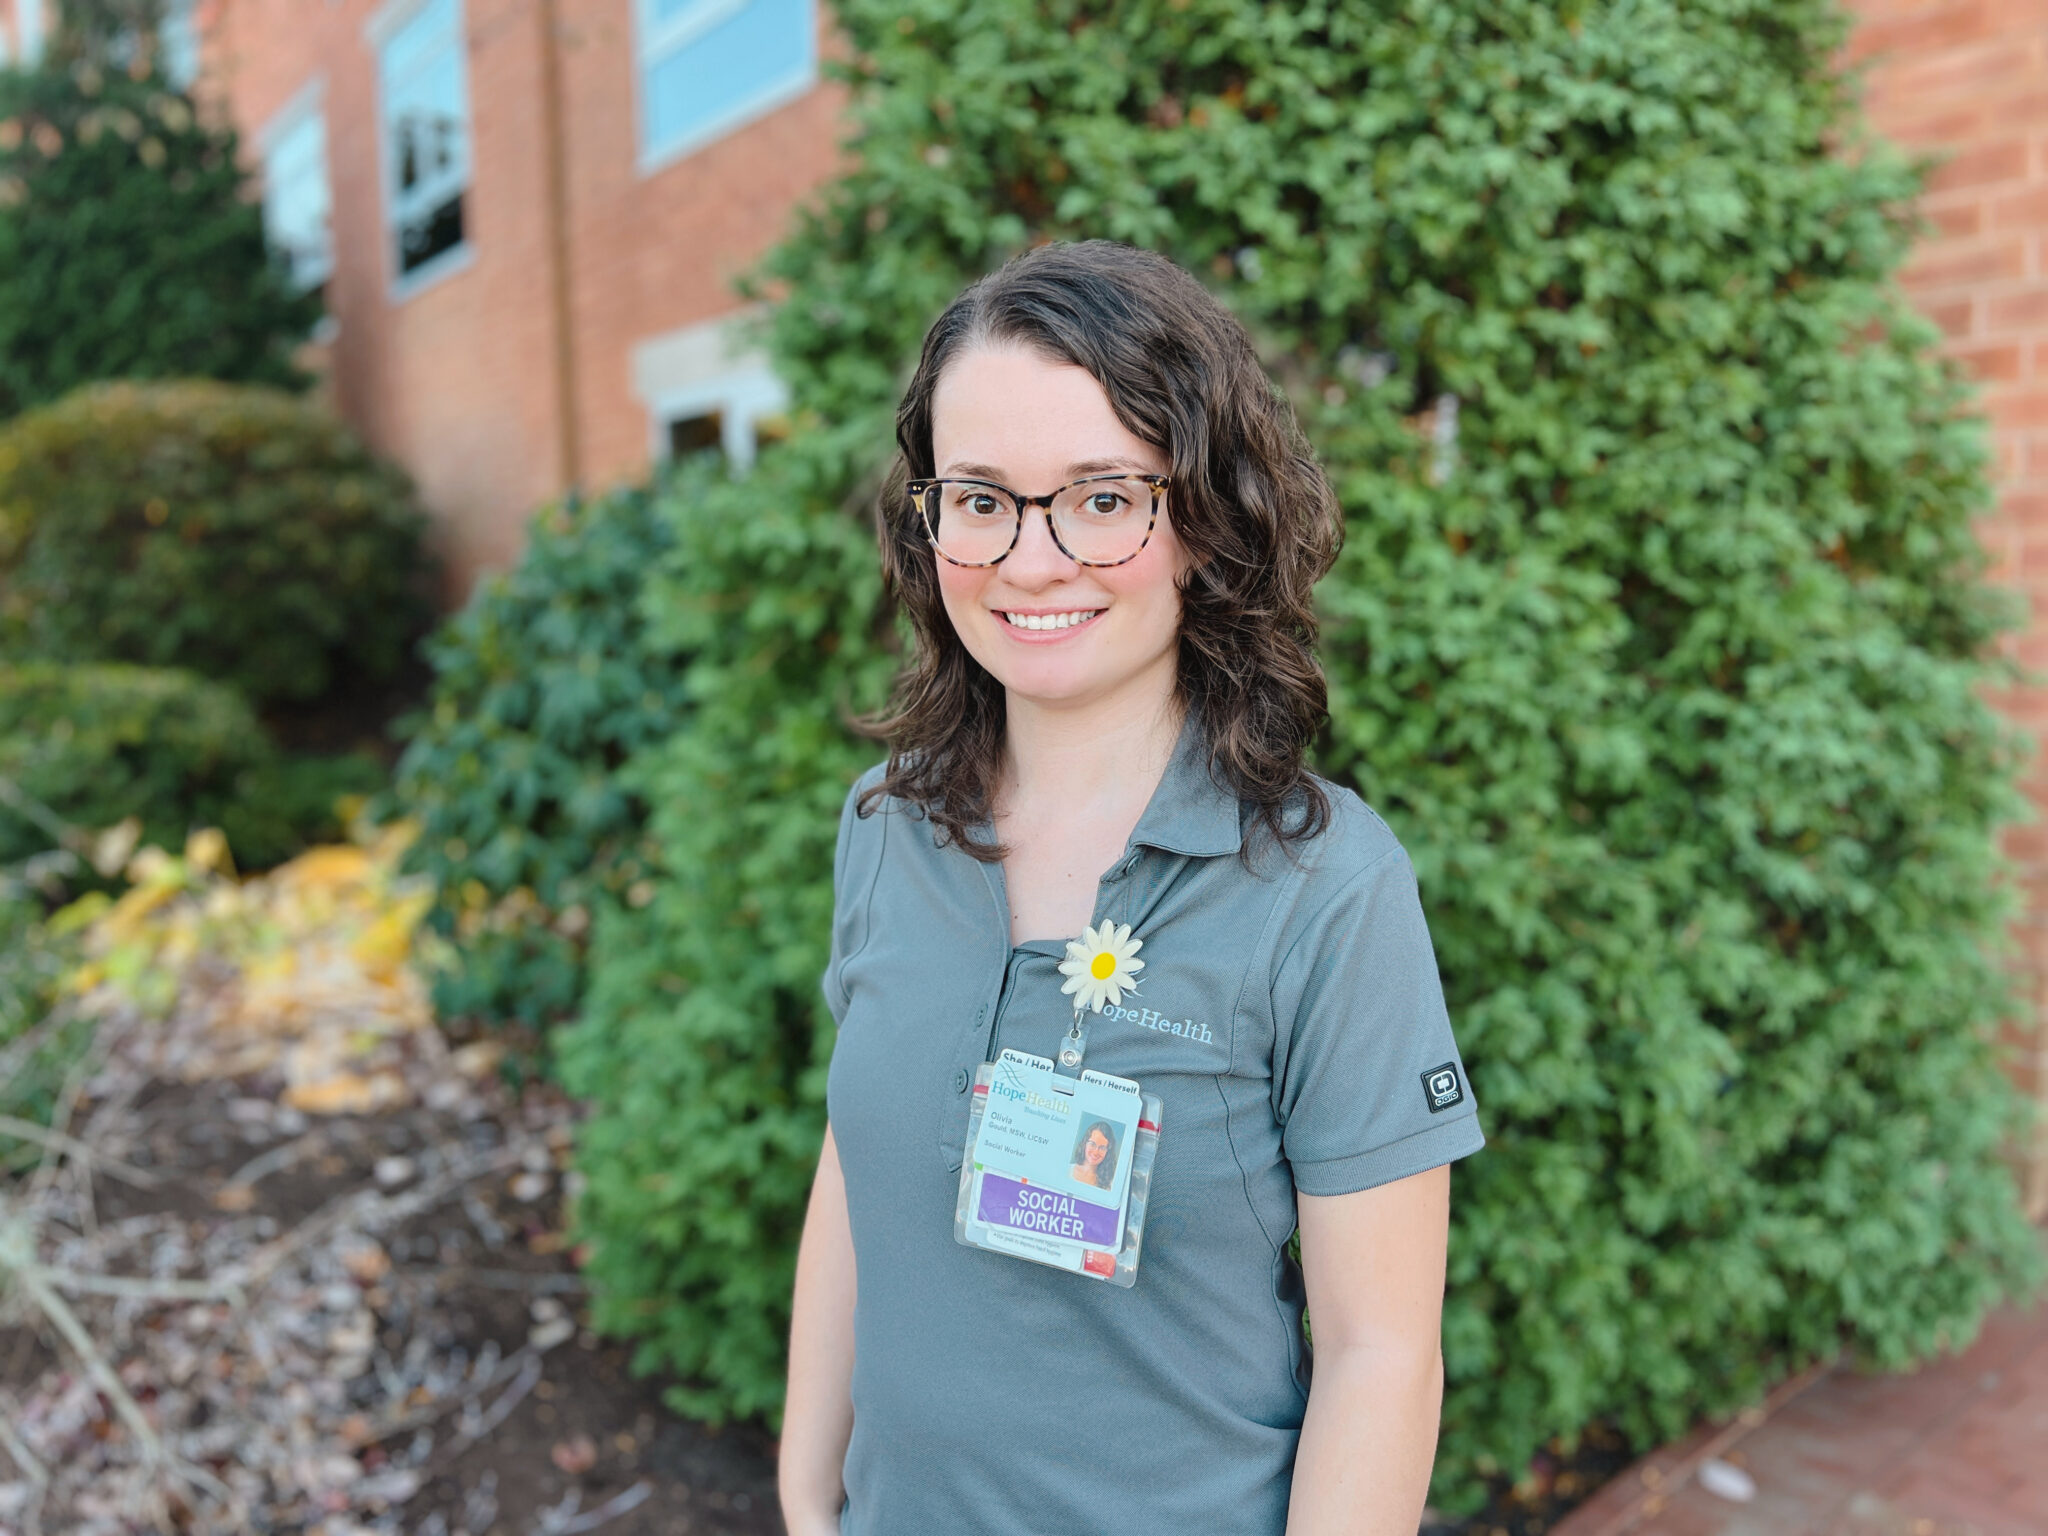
(1367, 1082)
(850, 894)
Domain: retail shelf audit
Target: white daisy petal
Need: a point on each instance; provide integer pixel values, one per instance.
(1100, 968)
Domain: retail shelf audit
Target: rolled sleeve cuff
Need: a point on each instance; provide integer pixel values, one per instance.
(1430, 1147)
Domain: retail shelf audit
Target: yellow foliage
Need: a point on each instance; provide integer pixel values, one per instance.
(310, 970)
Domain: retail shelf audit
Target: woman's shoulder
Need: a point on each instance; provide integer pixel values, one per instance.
(865, 817)
(1350, 838)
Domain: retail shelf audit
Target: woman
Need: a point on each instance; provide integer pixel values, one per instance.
(1105, 528)
(1095, 1164)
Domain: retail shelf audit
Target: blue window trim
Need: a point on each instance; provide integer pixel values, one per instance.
(307, 104)
(656, 42)
(379, 30)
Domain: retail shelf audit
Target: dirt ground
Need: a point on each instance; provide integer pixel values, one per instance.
(572, 1443)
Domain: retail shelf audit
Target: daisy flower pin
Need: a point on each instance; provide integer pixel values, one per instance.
(1101, 965)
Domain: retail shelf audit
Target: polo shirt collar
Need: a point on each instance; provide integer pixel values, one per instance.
(1190, 812)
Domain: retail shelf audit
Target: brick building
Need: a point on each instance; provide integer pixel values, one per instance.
(526, 215)
(1967, 81)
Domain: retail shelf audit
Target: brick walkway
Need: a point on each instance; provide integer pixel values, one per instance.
(1959, 1448)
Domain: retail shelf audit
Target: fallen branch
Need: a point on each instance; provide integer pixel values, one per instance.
(77, 1151)
(156, 1453)
(371, 1209)
(277, 1159)
(23, 1457)
(496, 1414)
(563, 1521)
(427, 1413)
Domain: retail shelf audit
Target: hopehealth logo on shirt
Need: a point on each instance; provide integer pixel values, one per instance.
(1153, 1019)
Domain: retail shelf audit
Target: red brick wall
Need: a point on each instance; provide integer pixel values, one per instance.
(1967, 81)
(459, 381)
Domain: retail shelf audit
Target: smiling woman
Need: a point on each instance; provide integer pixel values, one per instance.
(1054, 376)
(1105, 526)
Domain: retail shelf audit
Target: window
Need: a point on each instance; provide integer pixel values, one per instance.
(706, 66)
(28, 30)
(425, 105)
(296, 201)
(177, 38)
(695, 434)
(706, 389)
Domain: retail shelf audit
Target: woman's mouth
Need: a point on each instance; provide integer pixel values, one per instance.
(1042, 623)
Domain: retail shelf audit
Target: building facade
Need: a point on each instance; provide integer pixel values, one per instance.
(526, 218)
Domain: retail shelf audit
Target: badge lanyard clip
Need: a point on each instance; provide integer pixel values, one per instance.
(1075, 1046)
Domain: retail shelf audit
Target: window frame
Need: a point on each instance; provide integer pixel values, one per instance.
(705, 368)
(655, 42)
(179, 44)
(380, 32)
(308, 104)
(31, 32)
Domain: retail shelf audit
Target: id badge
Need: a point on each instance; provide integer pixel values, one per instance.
(1058, 1169)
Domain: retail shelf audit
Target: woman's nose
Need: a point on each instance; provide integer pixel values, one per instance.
(1037, 556)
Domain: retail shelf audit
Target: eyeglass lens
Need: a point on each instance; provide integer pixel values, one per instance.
(1100, 521)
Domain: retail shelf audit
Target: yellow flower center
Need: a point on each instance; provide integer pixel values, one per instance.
(1102, 966)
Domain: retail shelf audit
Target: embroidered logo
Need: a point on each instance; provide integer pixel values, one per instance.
(1153, 1019)
(1441, 1088)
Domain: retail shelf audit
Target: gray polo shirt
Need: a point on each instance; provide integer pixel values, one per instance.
(1291, 1020)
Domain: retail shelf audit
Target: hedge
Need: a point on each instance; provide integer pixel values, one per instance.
(1658, 639)
(544, 684)
(231, 530)
(96, 745)
(131, 240)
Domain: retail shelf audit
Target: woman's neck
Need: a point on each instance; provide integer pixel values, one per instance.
(1098, 757)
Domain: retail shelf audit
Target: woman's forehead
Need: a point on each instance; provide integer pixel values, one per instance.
(1009, 413)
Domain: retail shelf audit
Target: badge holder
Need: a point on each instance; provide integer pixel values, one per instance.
(1017, 1194)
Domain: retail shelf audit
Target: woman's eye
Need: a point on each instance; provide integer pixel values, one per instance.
(1105, 503)
(981, 506)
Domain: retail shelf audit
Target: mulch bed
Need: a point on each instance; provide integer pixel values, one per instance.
(411, 1361)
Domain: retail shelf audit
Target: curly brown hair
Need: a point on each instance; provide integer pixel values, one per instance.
(1248, 502)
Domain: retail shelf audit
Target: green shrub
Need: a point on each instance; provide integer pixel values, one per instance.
(292, 800)
(37, 1051)
(94, 745)
(543, 686)
(1661, 654)
(130, 246)
(97, 744)
(230, 530)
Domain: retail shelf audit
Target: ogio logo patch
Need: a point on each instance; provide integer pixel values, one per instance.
(1442, 1088)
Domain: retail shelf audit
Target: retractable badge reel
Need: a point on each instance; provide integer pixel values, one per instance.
(1059, 1164)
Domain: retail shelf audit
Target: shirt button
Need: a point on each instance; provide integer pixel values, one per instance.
(960, 1081)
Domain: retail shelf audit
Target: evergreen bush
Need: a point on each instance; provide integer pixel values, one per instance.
(131, 245)
(229, 529)
(98, 744)
(543, 686)
(1657, 638)
(92, 745)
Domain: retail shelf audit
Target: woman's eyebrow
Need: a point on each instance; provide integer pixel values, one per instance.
(1073, 471)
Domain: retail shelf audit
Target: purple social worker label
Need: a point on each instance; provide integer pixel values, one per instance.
(1029, 1208)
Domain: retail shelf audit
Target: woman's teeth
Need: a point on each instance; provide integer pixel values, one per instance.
(1051, 620)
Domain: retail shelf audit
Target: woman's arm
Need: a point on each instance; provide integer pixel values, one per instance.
(817, 1420)
(1374, 1265)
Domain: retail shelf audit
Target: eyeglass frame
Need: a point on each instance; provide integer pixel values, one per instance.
(918, 490)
